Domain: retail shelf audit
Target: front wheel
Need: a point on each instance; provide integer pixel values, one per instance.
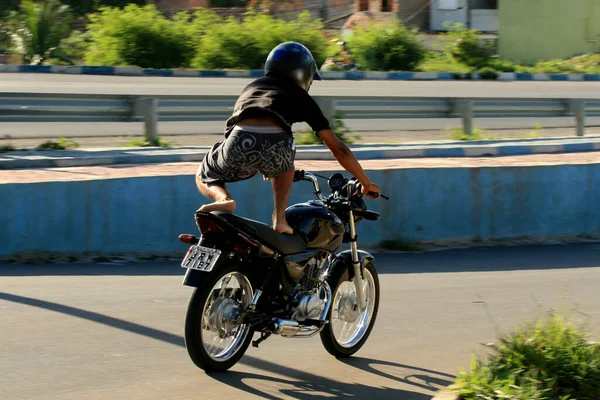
(214, 338)
(349, 328)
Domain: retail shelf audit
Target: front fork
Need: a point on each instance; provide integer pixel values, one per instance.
(358, 278)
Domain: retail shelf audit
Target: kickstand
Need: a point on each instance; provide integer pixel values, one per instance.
(263, 336)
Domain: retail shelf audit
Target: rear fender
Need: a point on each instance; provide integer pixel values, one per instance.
(343, 263)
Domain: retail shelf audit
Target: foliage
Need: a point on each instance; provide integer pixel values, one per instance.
(158, 142)
(549, 360)
(464, 46)
(72, 49)
(78, 6)
(38, 29)
(246, 45)
(61, 144)
(139, 36)
(488, 73)
(477, 134)
(378, 47)
(435, 62)
(502, 65)
(6, 148)
(339, 129)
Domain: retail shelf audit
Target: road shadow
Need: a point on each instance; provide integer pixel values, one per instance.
(478, 259)
(147, 268)
(488, 259)
(301, 383)
(309, 386)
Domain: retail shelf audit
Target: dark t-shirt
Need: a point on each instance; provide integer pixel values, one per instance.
(280, 98)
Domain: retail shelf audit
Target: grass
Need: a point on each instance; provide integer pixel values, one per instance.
(60, 144)
(158, 142)
(550, 359)
(339, 128)
(477, 134)
(399, 245)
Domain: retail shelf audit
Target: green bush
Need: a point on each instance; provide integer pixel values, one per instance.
(38, 28)
(387, 48)
(503, 65)
(139, 36)
(488, 74)
(442, 63)
(548, 360)
(339, 129)
(231, 44)
(464, 45)
(72, 49)
(61, 144)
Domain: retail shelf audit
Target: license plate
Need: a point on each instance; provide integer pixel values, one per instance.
(201, 258)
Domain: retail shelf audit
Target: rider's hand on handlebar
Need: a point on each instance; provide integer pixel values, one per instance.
(371, 191)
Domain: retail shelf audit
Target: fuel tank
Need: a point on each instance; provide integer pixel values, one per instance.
(323, 229)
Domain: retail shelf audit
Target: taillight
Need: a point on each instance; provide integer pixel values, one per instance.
(209, 226)
(188, 239)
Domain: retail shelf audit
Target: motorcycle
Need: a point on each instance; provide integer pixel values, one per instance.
(250, 279)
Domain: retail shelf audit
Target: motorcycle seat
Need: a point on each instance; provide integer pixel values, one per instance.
(286, 244)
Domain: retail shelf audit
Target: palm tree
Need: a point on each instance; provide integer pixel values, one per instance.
(38, 28)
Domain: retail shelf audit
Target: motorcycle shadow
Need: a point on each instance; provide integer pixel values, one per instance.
(305, 385)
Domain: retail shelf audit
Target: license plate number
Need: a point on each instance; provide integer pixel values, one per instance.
(201, 258)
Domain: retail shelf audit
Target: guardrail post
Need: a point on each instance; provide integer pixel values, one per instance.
(466, 110)
(149, 110)
(580, 117)
(328, 108)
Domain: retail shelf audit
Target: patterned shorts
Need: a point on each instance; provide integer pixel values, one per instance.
(243, 154)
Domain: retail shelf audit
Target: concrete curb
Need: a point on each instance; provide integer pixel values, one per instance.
(80, 158)
(328, 75)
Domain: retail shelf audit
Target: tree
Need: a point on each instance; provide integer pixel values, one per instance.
(38, 28)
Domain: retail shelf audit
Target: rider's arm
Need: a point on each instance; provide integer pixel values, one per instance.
(347, 160)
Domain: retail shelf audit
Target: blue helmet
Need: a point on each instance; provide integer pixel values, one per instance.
(294, 60)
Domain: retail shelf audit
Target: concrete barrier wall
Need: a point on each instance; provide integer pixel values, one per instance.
(146, 214)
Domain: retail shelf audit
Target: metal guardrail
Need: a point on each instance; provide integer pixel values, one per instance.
(41, 107)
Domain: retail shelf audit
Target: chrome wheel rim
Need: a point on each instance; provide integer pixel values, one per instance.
(220, 332)
(349, 325)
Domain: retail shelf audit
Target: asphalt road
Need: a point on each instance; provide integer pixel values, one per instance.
(56, 83)
(115, 331)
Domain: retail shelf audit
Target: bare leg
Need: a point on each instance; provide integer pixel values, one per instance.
(218, 193)
(282, 186)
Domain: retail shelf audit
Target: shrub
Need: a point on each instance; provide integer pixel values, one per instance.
(246, 44)
(38, 28)
(464, 45)
(139, 36)
(339, 129)
(72, 49)
(488, 74)
(502, 65)
(547, 360)
(60, 144)
(387, 48)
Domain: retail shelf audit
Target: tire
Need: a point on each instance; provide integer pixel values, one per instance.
(198, 307)
(339, 347)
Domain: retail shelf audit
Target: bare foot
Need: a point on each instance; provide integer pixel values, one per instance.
(224, 205)
(283, 227)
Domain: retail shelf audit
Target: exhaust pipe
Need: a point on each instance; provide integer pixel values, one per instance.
(291, 328)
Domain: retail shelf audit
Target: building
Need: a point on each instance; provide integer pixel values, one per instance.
(481, 15)
(536, 30)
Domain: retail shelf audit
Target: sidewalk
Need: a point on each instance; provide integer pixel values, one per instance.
(487, 148)
(189, 168)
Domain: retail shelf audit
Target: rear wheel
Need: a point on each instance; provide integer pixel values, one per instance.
(349, 328)
(215, 340)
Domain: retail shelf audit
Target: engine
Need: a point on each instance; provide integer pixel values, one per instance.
(308, 305)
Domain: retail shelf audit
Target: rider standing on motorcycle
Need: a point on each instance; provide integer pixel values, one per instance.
(258, 136)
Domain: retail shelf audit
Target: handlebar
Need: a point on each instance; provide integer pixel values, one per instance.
(353, 186)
